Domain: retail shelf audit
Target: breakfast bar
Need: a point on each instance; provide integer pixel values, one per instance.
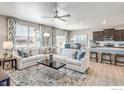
(115, 54)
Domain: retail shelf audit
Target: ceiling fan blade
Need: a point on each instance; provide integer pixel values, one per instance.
(62, 19)
(66, 15)
(47, 17)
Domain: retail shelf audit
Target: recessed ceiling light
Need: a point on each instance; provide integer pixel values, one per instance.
(104, 21)
(81, 23)
(87, 26)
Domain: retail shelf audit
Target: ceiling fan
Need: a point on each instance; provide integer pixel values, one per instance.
(56, 16)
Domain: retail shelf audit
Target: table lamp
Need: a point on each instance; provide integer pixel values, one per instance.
(7, 46)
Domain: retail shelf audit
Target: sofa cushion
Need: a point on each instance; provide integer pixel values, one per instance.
(72, 61)
(34, 51)
(69, 53)
(80, 54)
(58, 51)
(42, 50)
(59, 58)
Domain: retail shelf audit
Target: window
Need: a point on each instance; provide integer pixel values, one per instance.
(34, 37)
(60, 41)
(83, 39)
(27, 36)
(21, 36)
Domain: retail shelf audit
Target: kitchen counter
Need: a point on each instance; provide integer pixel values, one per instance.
(107, 50)
(122, 47)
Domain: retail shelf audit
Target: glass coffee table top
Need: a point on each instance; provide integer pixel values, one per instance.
(52, 64)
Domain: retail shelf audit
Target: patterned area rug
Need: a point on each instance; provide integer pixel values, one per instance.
(42, 77)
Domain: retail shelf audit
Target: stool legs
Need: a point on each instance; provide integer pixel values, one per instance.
(96, 56)
(103, 59)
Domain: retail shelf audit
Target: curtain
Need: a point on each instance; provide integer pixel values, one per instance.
(53, 37)
(51, 40)
(42, 39)
(12, 23)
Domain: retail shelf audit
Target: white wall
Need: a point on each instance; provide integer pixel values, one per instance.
(3, 32)
(81, 32)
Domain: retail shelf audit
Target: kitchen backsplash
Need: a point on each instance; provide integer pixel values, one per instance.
(115, 43)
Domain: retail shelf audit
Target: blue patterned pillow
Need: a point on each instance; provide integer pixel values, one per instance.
(80, 54)
(22, 53)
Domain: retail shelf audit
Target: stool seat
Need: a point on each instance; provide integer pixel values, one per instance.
(109, 55)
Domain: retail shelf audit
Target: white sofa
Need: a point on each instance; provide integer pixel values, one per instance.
(71, 63)
(62, 57)
(31, 60)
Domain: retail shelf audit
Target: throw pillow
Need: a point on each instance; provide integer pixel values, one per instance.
(26, 54)
(74, 54)
(69, 53)
(30, 53)
(20, 53)
(80, 54)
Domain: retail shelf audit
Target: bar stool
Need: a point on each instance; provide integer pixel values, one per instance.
(109, 55)
(94, 55)
(119, 58)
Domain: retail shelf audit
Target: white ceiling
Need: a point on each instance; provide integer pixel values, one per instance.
(83, 15)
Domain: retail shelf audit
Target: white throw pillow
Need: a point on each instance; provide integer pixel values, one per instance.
(69, 53)
(35, 51)
(58, 51)
(42, 50)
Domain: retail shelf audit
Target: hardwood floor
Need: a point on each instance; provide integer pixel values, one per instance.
(102, 74)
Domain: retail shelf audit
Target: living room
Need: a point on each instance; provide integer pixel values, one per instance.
(55, 44)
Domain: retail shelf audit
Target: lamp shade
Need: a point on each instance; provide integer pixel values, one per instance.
(46, 34)
(7, 45)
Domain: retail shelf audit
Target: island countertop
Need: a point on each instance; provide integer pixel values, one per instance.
(107, 50)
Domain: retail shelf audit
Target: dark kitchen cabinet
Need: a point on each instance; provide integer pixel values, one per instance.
(119, 35)
(95, 36)
(109, 32)
(98, 36)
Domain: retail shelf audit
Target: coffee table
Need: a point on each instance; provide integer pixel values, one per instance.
(54, 65)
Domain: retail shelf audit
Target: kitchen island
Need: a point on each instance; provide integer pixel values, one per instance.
(107, 50)
(117, 53)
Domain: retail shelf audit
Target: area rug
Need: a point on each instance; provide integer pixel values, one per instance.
(33, 77)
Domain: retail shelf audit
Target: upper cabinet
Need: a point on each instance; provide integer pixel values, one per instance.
(117, 35)
(109, 32)
(98, 36)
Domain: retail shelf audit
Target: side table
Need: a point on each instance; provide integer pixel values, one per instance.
(12, 60)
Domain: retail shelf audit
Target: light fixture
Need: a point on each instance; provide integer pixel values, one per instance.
(87, 26)
(81, 23)
(46, 34)
(7, 45)
(104, 22)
